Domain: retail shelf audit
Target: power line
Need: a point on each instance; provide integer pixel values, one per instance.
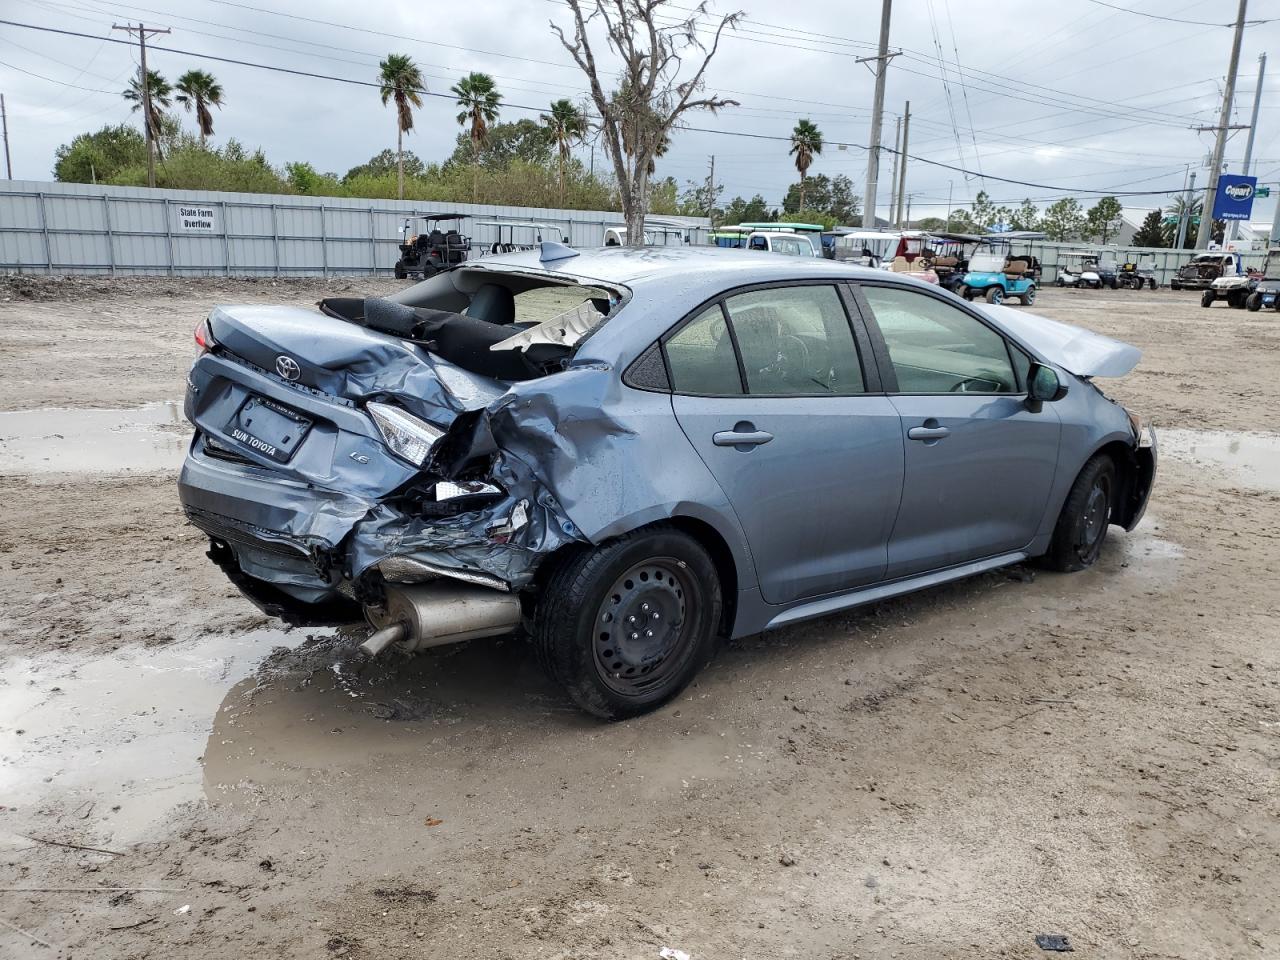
(1194, 23)
(517, 106)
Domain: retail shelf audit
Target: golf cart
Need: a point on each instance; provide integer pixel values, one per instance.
(948, 256)
(1078, 270)
(1234, 288)
(431, 249)
(996, 276)
(1136, 275)
(1267, 292)
(531, 233)
(1104, 265)
(657, 233)
(784, 242)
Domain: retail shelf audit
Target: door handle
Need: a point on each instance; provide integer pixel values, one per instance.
(928, 433)
(740, 438)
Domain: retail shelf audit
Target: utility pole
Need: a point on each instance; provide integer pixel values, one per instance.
(902, 183)
(1184, 219)
(711, 193)
(893, 184)
(142, 32)
(1234, 225)
(950, 184)
(877, 114)
(4, 122)
(1220, 144)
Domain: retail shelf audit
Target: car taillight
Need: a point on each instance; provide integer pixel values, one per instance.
(204, 337)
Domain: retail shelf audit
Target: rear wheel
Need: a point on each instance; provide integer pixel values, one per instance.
(1153, 283)
(964, 291)
(1029, 297)
(625, 626)
(400, 271)
(1082, 525)
(1254, 303)
(1207, 298)
(995, 295)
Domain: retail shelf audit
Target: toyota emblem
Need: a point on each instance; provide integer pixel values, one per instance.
(288, 367)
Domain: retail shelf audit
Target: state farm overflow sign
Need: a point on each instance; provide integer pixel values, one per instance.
(196, 219)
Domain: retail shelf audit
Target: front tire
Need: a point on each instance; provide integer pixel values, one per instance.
(1207, 298)
(1254, 303)
(964, 291)
(625, 626)
(995, 296)
(1082, 526)
(1029, 298)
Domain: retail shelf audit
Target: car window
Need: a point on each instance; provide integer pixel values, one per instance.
(700, 356)
(795, 340)
(938, 348)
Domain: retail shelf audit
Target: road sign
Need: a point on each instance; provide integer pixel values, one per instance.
(1234, 199)
(1262, 192)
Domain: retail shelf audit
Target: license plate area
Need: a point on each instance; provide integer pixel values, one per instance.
(268, 428)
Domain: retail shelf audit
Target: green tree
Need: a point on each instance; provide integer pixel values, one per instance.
(754, 210)
(1064, 220)
(814, 193)
(1192, 209)
(504, 143)
(1103, 220)
(806, 143)
(699, 197)
(1152, 232)
(388, 161)
(961, 221)
(399, 79)
(479, 99)
(161, 92)
(198, 91)
(931, 223)
(99, 156)
(846, 206)
(984, 211)
(566, 126)
(1026, 217)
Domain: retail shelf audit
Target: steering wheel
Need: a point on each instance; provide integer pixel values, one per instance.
(962, 388)
(791, 359)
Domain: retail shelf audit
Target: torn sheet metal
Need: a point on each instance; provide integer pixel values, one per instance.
(565, 330)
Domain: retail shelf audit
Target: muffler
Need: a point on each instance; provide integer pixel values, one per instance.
(422, 615)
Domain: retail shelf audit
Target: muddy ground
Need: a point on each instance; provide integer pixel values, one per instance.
(946, 775)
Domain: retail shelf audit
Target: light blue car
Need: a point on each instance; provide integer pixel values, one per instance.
(628, 454)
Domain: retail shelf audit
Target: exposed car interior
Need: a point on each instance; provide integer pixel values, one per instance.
(467, 317)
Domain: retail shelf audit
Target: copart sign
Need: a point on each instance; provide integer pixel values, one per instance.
(194, 218)
(1234, 199)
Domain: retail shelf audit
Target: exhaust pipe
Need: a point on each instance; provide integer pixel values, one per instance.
(422, 615)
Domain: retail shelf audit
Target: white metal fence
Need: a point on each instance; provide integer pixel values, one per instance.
(65, 228)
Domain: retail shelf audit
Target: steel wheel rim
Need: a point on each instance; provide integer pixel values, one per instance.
(1095, 518)
(643, 626)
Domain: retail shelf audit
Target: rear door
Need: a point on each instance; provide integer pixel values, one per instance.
(769, 386)
(980, 460)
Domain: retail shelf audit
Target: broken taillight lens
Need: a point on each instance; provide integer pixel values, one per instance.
(204, 337)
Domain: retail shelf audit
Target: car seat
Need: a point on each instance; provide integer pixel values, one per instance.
(492, 303)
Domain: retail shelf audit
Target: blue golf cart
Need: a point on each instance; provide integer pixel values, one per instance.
(996, 274)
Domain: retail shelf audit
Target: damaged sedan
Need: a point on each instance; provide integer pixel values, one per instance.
(628, 454)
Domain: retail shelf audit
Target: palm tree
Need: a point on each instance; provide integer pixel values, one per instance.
(806, 143)
(566, 126)
(401, 80)
(199, 90)
(160, 91)
(479, 100)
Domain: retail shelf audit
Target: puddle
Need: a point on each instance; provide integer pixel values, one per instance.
(147, 438)
(1249, 459)
(123, 729)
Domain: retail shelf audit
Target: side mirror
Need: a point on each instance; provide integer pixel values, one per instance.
(1043, 384)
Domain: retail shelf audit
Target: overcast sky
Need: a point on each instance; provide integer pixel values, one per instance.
(1074, 94)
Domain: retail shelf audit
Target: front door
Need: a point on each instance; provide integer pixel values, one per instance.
(769, 388)
(980, 460)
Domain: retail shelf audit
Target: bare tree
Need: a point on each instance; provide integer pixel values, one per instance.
(637, 118)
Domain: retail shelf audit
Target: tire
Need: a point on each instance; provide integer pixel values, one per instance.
(1029, 298)
(995, 295)
(1254, 303)
(1082, 526)
(1236, 300)
(1114, 283)
(1154, 284)
(964, 291)
(1174, 285)
(664, 583)
(1207, 298)
(400, 271)
(1060, 282)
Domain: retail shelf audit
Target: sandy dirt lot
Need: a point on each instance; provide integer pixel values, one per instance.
(947, 775)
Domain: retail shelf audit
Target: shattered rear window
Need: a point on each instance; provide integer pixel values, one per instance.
(545, 303)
